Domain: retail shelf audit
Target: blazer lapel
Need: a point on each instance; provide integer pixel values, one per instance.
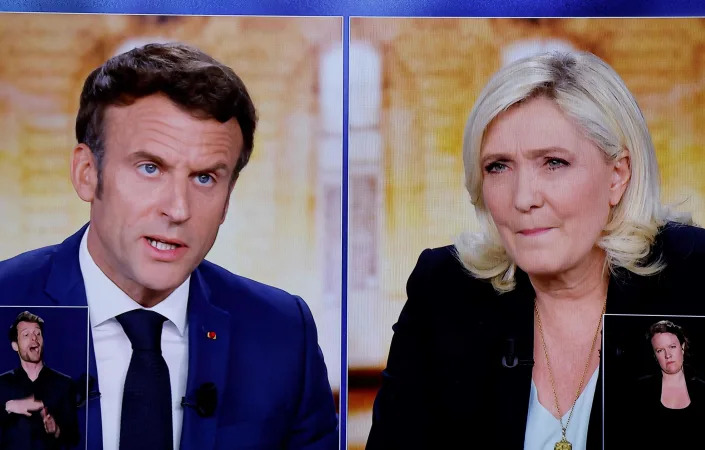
(65, 287)
(516, 364)
(209, 344)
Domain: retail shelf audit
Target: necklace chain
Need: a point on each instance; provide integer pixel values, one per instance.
(550, 372)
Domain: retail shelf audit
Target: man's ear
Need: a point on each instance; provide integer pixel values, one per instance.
(621, 173)
(15, 347)
(84, 172)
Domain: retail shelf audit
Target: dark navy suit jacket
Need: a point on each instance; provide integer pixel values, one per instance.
(271, 380)
(448, 383)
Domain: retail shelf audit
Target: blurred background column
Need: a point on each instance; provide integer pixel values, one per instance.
(329, 197)
(366, 206)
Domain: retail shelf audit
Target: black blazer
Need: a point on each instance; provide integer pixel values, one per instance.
(460, 365)
(654, 426)
(58, 393)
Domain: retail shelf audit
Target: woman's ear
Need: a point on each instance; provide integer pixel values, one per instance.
(621, 173)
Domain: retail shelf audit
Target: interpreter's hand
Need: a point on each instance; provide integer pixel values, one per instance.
(50, 425)
(24, 406)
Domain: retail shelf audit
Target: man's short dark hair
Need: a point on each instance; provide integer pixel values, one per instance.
(191, 79)
(24, 316)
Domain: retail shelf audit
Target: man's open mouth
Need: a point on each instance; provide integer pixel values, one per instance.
(162, 245)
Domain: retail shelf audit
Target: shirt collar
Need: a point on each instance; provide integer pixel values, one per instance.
(20, 372)
(106, 300)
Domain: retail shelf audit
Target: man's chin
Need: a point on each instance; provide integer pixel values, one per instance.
(161, 283)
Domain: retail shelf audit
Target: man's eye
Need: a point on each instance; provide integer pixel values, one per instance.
(204, 179)
(148, 168)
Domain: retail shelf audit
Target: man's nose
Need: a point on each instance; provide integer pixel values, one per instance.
(176, 202)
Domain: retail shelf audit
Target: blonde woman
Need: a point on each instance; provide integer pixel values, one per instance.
(498, 343)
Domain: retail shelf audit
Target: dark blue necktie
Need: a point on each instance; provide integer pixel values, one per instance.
(145, 422)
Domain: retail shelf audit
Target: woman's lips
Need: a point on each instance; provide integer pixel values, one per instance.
(534, 231)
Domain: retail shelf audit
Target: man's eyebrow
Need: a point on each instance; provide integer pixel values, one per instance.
(215, 167)
(143, 154)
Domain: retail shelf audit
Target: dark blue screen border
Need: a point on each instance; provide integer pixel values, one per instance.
(436, 8)
(343, 403)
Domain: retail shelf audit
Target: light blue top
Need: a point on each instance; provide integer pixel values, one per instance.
(543, 430)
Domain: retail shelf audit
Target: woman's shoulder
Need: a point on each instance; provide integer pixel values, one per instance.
(439, 275)
(648, 380)
(679, 241)
(442, 266)
(440, 256)
(698, 382)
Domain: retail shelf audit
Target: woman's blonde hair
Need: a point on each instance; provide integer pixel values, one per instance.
(592, 94)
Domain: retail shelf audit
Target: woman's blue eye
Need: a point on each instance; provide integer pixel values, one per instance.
(554, 163)
(495, 167)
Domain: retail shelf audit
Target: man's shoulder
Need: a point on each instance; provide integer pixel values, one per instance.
(38, 263)
(4, 377)
(56, 374)
(8, 381)
(59, 381)
(29, 263)
(235, 293)
(24, 276)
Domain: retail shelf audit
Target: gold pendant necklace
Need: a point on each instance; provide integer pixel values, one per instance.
(564, 444)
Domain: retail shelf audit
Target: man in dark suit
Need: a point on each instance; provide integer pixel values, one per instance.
(39, 403)
(183, 353)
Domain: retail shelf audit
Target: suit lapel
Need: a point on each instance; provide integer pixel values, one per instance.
(94, 436)
(65, 287)
(209, 342)
(65, 283)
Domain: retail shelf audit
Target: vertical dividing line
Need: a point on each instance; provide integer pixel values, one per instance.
(344, 240)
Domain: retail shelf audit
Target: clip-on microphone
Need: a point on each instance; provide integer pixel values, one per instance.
(205, 401)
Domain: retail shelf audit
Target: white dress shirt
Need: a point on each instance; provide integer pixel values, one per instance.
(543, 430)
(113, 349)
